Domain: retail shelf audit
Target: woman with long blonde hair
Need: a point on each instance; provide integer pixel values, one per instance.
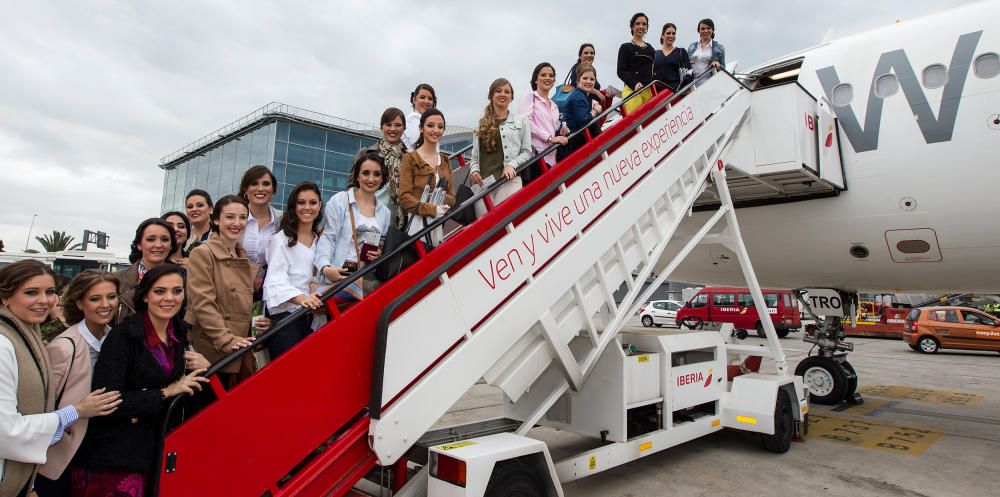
(502, 143)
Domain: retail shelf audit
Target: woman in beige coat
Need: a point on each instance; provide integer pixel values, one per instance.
(220, 291)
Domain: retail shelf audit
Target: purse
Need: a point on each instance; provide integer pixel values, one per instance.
(466, 213)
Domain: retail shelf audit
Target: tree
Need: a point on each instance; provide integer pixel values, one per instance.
(1, 246)
(57, 242)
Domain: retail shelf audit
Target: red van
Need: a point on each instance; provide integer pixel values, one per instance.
(734, 305)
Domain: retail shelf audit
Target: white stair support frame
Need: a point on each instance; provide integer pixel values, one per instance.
(522, 350)
(736, 238)
(560, 350)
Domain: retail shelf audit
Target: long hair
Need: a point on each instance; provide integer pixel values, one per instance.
(150, 279)
(12, 276)
(537, 71)
(253, 174)
(78, 288)
(136, 250)
(187, 222)
(290, 221)
(369, 155)
(488, 129)
(423, 86)
(433, 111)
(223, 202)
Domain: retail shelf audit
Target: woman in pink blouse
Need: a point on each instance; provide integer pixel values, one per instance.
(543, 114)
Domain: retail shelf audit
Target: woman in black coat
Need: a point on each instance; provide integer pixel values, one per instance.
(144, 358)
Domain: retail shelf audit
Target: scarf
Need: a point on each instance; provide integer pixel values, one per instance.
(393, 154)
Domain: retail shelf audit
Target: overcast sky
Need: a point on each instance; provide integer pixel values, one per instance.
(94, 93)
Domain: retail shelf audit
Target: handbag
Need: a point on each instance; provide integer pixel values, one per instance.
(561, 96)
(466, 213)
(395, 264)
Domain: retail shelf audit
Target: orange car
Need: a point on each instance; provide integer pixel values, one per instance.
(929, 329)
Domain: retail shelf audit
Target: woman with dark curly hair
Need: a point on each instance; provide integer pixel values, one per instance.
(153, 243)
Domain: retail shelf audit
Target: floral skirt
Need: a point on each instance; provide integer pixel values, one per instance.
(107, 483)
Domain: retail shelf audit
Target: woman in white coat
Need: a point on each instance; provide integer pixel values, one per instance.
(27, 424)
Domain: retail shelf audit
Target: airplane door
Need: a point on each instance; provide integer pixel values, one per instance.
(831, 167)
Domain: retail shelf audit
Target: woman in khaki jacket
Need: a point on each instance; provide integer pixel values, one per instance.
(220, 291)
(425, 164)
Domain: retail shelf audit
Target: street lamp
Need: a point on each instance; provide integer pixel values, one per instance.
(29, 232)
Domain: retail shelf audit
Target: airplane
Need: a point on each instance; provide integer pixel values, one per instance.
(918, 123)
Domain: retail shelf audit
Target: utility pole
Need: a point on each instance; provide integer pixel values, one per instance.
(29, 231)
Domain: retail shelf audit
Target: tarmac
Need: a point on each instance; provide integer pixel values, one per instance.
(929, 427)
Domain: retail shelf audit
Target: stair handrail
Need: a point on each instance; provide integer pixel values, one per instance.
(381, 333)
(378, 368)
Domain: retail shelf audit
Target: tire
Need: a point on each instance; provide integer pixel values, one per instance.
(760, 331)
(928, 344)
(659, 325)
(647, 321)
(514, 479)
(916, 348)
(824, 378)
(784, 425)
(782, 333)
(852, 383)
(693, 323)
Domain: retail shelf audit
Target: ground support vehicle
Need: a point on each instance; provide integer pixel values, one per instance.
(522, 298)
(734, 305)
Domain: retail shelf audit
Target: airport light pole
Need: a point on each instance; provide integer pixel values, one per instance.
(31, 227)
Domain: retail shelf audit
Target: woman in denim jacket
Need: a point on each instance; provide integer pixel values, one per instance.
(502, 143)
(706, 53)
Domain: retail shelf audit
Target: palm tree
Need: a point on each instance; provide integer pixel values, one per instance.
(57, 242)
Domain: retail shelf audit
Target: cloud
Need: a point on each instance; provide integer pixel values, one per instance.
(94, 93)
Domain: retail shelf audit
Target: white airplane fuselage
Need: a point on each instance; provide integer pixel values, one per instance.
(918, 167)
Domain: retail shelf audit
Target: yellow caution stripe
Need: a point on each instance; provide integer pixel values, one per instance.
(746, 419)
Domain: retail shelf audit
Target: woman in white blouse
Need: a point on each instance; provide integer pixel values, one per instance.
(421, 99)
(257, 188)
(290, 266)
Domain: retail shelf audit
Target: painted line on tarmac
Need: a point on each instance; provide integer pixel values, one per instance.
(866, 434)
(940, 397)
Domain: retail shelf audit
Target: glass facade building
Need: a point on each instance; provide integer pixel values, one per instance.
(295, 144)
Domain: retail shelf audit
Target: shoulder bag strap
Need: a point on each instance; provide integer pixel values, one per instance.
(72, 358)
(354, 233)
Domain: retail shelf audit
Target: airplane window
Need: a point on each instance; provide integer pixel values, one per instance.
(842, 94)
(886, 86)
(935, 76)
(987, 65)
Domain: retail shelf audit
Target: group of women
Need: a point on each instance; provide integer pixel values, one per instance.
(639, 64)
(89, 404)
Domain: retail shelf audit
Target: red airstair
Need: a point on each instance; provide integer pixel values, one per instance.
(305, 424)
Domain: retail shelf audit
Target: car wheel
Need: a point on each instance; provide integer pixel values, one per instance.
(647, 321)
(782, 333)
(928, 344)
(824, 378)
(852, 380)
(784, 425)
(914, 347)
(760, 331)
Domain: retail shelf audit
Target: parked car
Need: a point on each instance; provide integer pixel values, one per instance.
(930, 329)
(734, 305)
(659, 313)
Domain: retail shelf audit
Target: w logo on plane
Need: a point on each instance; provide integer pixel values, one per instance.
(935, 130)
